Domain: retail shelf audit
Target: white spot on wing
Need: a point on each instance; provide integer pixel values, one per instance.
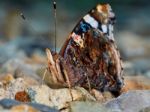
(91, 21)
(104, 28)
(111, 36)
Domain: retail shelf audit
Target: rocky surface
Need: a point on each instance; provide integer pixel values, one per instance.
(20, 90)
(74, 100)
(21, 48)
(136, 83)
(146, 109)
(21, 67)
(87, 107)
(57, 98)
(8, 105)
(132, 101)
(9, 89)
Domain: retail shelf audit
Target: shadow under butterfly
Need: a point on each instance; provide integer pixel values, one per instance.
(89, 57)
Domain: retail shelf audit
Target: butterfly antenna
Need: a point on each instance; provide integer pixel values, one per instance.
(27, 21)
(55, 17)
(22, 16)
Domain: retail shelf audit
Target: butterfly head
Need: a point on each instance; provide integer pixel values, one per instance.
(105, 13)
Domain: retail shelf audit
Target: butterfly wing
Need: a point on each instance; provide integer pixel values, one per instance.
(90, 51)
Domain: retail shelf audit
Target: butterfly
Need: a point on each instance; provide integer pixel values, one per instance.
(89, 56)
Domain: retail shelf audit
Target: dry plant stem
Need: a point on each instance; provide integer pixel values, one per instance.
(68, 82)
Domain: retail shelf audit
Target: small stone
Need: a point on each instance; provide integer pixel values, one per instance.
(102, 96)
(39, 94)
(14, 87)
(132, 101)
(8, 104)
(146, 109)
(23, 108)
(98, 95)
(6, 79)
(2, 93)
(61, 97)
(108, 96)
(19, 67)
(27, 78)
(22, 96)
(57, 98)
(86, 95)
(78, 106)
(136, 83)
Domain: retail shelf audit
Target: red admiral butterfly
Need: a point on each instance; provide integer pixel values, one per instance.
(89, 57)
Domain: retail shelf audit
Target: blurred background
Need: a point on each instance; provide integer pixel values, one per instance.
(28, 38)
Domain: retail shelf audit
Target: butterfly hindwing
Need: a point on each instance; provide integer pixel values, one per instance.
(92, 52)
